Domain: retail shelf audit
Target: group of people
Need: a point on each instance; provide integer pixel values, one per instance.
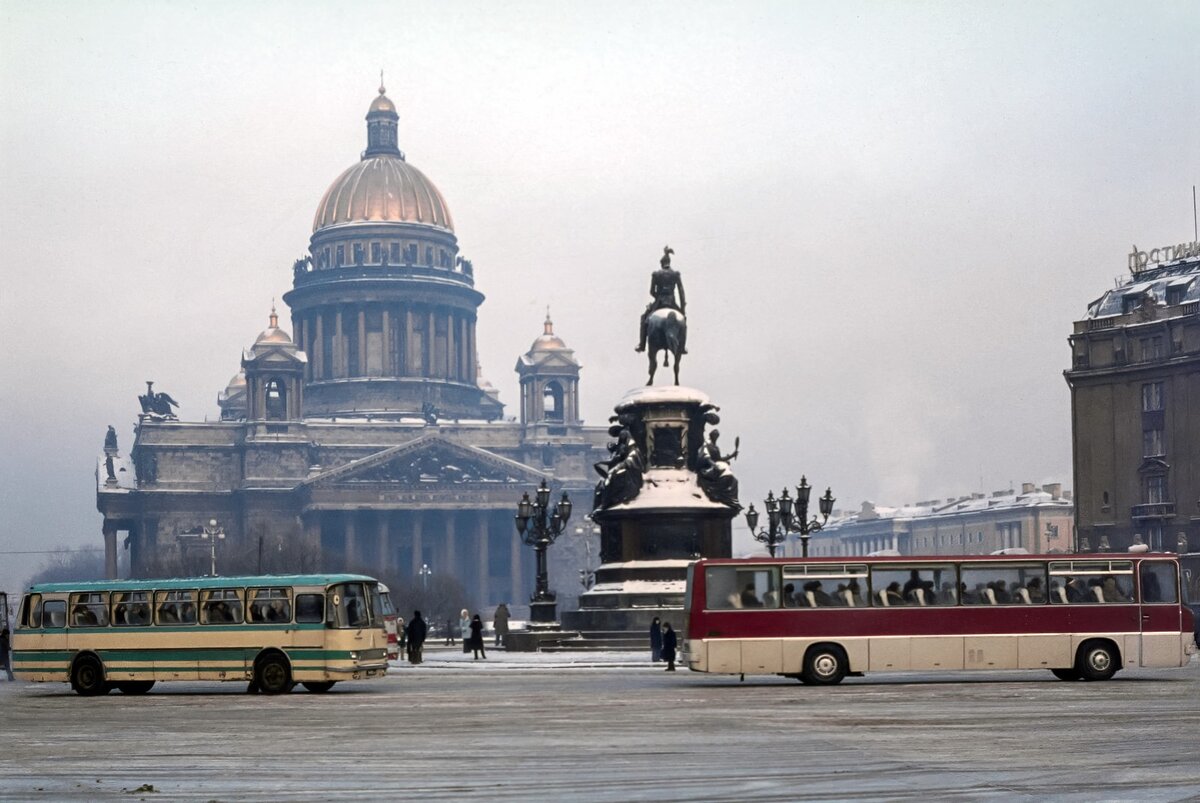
(663, 643)
(469, 628)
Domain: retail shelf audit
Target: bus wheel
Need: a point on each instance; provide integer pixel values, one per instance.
(1097, 660)
(87, 677)
(824, 665)
(318, 687)
(272, 675)
(1066, 674)
(135, 686)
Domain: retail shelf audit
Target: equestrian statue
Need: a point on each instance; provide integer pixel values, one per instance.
(664, 323)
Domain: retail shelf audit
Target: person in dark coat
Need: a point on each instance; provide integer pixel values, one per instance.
(655, 641)
(500, 624)
(477, 637)
(669, 643)
(415, 633)
(5, 654)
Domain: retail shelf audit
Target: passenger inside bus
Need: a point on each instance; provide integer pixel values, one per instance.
(1034, 587)
(83, 616)
(891, 595)
(789, 596)
(946, 596)
(817, 597)
(1110, 592)
(749, 598)
(1003, 597)
(276, 612)
(1075, 592)
(168, 613)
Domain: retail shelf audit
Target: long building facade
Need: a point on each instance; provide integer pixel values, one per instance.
(368, 440)
(1135, 407)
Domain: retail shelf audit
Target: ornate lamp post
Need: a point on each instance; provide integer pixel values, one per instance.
(786, 515)
(209, 534)
(425, 571)
(539, 525)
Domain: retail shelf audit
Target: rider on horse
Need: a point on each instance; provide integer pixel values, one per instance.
(663, 283)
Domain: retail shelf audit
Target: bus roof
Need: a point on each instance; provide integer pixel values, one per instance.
(908, 559)
(200, 582)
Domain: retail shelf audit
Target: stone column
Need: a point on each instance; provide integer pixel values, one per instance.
(318, 352)
(389, 368)
(362, 342)
(514, 560)
(430, 344)
(451, 545)
(351, 548)
(387, 556)
(110, 549)
(339, 346)
(408, 339)
(417, 549)
(481, 584)
(451, 352)
(311, 548)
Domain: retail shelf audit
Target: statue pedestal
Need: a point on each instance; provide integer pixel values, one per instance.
(648, 542)
(543, 613)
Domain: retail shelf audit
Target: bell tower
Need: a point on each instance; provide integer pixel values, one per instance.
(549, 385)
(274, 369)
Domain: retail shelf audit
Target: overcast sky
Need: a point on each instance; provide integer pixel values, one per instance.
(887, 215)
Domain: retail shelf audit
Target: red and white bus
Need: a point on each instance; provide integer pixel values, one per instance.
(819, 619)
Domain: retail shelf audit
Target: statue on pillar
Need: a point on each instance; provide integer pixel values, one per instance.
(157, 405)
(664, 323)
(713, 472)
(621, 476)
(110, 441)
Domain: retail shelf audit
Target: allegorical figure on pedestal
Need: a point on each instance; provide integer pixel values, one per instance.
(664, 323)
(715, 477)
(621, 477)
(157, 404)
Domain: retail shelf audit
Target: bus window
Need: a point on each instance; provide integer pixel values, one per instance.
(89, 609)
(729, 587)
(1003, 584)
(909, 585)
(1088, 582)
(310, 608)
(376, 605)
(348, 606)
(31, 611)
(269, 605)
(220, 606)
(1158, 582)
(824, 585)
(175, 607)
(131, 609)
(54, 613)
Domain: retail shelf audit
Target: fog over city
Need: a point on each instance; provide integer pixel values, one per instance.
(886, 216)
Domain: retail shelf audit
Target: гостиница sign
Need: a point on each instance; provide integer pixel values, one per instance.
(1141, 260)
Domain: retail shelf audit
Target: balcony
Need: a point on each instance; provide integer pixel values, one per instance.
(1154, 510)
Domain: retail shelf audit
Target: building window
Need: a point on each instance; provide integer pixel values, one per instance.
(1152, 443)
(358, 254)
(1155, 489)
(376, 253)
(412, 252)
(552, 401)
(429, 255)
(1152, 347)
(1152, 397)
(394, 252)
(276, 400)
(341, 255)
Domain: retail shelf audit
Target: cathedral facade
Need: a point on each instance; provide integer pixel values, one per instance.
(369, 439)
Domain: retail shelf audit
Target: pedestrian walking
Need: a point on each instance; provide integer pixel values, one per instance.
(668, 646)
(464, 628)
(416, 632)
(500, 624)
(655, 641)
(476, 626)
(5, 652)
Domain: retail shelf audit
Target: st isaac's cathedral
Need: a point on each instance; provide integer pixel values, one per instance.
(369, 438)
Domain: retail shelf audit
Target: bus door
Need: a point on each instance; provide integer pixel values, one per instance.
(1158, 585)
(46, 619)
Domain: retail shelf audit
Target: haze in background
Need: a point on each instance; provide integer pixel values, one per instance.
(886, 215)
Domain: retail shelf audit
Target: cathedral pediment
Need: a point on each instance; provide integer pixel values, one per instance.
(427, 462)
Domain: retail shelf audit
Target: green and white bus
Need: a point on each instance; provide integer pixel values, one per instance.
(270, 631)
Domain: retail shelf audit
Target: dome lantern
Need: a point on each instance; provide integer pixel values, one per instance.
(382, 136)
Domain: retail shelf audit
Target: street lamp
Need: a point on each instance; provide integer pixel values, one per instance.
(787, 515)
(539, 525)
(425, 571)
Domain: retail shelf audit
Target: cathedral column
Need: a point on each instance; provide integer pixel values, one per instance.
(417, 551)
(451, 545)
(350, 551)
(387, 557)
(408, 340)
(483, 561)
(472, 358)
(362, 342)
(312, 541)
(339, 346)
(318, 355)
(430, 344)
(451, 354)
(514, 562)
(110, 549)
(389, 369)
(464, 371)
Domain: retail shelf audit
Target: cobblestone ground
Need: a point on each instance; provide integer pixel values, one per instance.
(612, 728)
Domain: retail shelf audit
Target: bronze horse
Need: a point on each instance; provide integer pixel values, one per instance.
(666, 331)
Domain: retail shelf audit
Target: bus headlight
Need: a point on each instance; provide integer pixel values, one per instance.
(353, 655)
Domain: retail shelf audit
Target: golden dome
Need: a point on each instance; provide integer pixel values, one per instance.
(238, 381)
(383, 189)
(273, 335)
(548, 340)
(382, 103)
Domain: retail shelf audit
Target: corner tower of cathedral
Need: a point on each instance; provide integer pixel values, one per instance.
(382, 304)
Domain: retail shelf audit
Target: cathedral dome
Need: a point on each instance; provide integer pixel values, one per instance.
(383, 187)
(548, 340)
(273, 335)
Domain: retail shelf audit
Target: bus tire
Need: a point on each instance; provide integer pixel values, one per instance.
(1097, 660)
(87, 676)
(824, 665)
(134, 686)
(318, 686)
(272, 674)
(1066, 674)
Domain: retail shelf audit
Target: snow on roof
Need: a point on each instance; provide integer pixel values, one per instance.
(123, 468)
(952, 507)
